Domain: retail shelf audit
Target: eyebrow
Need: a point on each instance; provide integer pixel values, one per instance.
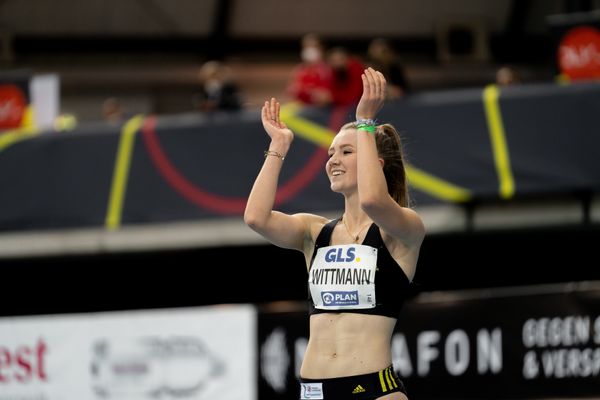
(342, 146)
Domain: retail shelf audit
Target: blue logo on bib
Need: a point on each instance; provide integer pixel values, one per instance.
(338, 254)
(340, 298)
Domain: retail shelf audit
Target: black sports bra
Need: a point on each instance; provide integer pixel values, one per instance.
(392, 286)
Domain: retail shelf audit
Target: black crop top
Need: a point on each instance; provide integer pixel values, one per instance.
(392, 286)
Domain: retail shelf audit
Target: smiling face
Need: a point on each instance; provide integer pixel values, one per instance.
(341, 166)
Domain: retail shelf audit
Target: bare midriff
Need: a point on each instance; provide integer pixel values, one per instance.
(346, 344)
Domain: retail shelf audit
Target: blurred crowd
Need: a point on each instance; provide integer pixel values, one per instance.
(332, 76)
(323, 77)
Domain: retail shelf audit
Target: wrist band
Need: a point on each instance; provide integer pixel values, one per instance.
(371, 128)
(368, 121)
(274, 154)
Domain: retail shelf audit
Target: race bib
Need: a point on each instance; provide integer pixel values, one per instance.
(343, 277)
(313, 390)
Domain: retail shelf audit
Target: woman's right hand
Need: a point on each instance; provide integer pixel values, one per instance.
(272, 123)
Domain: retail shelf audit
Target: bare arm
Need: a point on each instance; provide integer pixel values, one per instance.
(283, 230)
(400, 222)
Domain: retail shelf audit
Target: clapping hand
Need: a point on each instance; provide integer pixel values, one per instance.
(373, 96)
(271, 120)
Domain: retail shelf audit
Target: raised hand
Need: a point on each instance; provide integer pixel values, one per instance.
(373, 96)
(270, 115)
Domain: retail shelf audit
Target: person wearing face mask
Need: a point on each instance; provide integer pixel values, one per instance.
(347, 69)
(218, 91)
(311, 80)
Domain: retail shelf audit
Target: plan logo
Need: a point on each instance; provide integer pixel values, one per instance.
(338, 298)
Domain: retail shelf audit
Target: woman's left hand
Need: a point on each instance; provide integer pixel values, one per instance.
(373, 96)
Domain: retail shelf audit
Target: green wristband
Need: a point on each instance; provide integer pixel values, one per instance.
(366, 128)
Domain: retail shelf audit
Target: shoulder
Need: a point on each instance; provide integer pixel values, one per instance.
(312, 222)
(405, 248)
(417, 226)
(404, 225)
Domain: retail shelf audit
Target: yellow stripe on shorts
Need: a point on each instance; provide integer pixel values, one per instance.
(383, 388)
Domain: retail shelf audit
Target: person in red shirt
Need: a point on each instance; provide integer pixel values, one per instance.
(312, 79)
(347, 85)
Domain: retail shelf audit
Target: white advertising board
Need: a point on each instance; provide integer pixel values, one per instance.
(188, 353)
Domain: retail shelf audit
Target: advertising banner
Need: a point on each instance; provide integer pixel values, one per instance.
(167, 169)
(196, 353)
(529, 342)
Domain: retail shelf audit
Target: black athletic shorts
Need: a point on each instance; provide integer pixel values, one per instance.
(356, 387)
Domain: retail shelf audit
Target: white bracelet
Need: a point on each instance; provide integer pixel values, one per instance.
(367, 121)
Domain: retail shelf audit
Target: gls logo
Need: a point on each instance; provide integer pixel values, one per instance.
(337, 255)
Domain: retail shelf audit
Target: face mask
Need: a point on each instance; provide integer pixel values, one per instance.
(213, 87)
(310, 54)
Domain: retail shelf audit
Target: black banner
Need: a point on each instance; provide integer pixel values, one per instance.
(527, 342)
(460, 145)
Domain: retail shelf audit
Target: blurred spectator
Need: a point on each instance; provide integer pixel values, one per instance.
(347, 83)
(506, 76)
(311, 79)
(383, 57)
(112, 110)
(218, 90)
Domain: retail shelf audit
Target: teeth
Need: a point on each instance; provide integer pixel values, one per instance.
(336, 173)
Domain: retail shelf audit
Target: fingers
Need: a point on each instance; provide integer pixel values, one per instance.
(274, 108)
(264, 112)
(366, 84)
(382, 84)
(270, 112)
(376, 82)
(373, 83)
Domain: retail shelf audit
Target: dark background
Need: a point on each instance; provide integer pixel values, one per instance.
(265, 273)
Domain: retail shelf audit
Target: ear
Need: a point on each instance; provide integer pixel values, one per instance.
(382, 162)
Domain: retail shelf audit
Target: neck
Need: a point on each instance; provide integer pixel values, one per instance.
(356, 220)
(353, 214)
(355, 232)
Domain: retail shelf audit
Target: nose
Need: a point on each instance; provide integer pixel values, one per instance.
(333, 160)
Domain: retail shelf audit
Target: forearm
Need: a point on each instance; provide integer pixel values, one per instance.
(372, 186)
(262, 196)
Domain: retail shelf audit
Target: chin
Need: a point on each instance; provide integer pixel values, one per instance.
(335, 188)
